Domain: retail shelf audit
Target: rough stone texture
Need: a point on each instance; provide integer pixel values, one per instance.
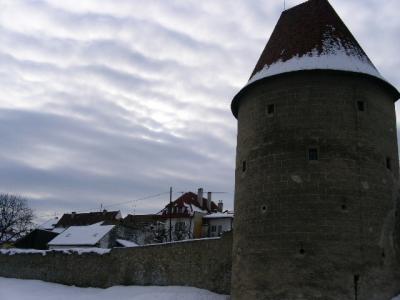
(200, 263)
(316, 229)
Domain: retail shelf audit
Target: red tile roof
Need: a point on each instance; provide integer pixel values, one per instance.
(311, 36)
(190, 199)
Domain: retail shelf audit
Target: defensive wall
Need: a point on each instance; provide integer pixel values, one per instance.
(204, 263)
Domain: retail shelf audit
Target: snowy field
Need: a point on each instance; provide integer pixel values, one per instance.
(17, 289)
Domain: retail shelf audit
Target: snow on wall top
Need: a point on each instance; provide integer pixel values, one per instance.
(311, 36)
(218, 215)
(81, 235)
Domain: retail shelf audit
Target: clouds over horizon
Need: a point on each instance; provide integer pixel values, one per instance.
(109, 101)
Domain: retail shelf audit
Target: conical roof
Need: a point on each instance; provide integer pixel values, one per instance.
(311, 36)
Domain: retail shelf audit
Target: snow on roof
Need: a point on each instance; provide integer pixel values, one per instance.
(82, 235)
(126, 243)
(79, 251)
(312, 36)
(49, 224)
(333, 57)
(58, 229)
(218, 215)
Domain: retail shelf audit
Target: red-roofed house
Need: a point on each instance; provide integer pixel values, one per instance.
(187, 214)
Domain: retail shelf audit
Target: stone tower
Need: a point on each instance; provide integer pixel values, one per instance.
(316, 168)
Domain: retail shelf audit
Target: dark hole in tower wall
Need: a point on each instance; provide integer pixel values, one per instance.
(244, 166)
(356, 287)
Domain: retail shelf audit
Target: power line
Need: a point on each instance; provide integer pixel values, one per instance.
(139, 199)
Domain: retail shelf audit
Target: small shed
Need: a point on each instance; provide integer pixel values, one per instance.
(36, 239)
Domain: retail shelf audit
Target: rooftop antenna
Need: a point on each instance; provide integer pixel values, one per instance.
(284, 4)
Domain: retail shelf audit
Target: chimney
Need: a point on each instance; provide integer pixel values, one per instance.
(104, 211)
(209, 201)
(220, 206)
(73, 214)
(200, 197)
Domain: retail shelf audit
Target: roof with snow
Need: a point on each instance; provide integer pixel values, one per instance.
(49, 224)
(81, 235)
(186, 205)
(219, 215)
(126, 243)
(311, 36)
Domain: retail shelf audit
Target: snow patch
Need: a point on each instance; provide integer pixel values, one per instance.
(218, 215)
(126, 243)
(39, 290)
(335, 55)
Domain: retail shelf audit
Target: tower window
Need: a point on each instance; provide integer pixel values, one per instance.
(270, 109)
(361, 105)
(312, 154)
(244, 166)
(388, 163)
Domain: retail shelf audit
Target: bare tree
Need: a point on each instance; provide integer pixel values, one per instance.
(15, 217)
(181, 231)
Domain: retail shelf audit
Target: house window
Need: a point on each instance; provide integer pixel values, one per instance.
(361, 105)
(244, 166)
(270, 110)
(312, 154)
(219, 229)
(388, 163)
(213, 228)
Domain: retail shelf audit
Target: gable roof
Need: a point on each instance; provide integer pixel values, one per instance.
(188, 205)
(81, 219)
(81, 235)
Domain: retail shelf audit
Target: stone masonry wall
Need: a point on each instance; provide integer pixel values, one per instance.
(316, 229)
(199, 263)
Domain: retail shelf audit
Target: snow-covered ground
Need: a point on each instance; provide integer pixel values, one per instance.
(17, 289)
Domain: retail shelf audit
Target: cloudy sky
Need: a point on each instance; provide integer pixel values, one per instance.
(108, 101)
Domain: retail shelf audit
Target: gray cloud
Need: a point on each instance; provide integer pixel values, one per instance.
(105, 102)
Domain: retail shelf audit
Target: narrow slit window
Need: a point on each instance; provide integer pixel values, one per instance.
(270, 109)
(244, 166)
(312, 154)
(388, 163)
(361, 105)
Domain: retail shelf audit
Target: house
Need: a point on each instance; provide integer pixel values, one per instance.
(186, 215)
(95, 235)
(143, 229)
(217, 223)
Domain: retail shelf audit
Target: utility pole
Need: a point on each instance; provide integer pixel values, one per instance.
(170, 212)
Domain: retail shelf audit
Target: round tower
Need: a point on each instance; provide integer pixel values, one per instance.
(316, 168)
